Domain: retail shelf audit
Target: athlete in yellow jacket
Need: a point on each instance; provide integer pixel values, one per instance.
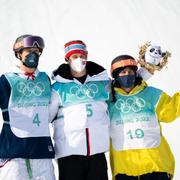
(138, 150)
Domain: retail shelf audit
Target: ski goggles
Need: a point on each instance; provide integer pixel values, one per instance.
(28, 42)
(123, 63)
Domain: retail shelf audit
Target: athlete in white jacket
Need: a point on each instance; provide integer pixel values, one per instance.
(81, 121)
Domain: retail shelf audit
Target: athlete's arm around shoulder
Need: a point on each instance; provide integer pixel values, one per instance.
(168, 108)
(54, 103)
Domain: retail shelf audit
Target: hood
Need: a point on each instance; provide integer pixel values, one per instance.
(95, 72)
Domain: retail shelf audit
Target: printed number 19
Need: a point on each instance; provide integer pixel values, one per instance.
(139, 133)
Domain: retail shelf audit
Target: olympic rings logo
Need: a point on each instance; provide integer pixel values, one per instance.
(31, 88)
(84, 91)
(135, 105)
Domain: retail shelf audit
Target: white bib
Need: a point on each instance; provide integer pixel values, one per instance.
(28, 105)
(136, 135)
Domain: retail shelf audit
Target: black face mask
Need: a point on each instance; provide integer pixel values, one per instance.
(31, 60)
(127, 81)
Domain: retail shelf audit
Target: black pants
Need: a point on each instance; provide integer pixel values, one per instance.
(149, 176)
(77, 167)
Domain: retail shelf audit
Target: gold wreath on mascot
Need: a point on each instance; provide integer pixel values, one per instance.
(152, 58)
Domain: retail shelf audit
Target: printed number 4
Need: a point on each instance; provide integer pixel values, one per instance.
(36, 120)
(89, 110)
(138, 133)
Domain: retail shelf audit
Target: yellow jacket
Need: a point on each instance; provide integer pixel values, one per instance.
(142, 161)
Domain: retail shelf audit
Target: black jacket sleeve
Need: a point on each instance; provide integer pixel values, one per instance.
(5, 91)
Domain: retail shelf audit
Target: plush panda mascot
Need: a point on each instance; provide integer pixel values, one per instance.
(152, 58)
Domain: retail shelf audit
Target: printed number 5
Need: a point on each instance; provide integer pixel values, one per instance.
(89, 110)
(36, 120)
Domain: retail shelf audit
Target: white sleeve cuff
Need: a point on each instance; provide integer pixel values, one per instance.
(144, 73)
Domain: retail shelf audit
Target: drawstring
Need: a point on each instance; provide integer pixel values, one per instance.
(30, 75)
(29, 170)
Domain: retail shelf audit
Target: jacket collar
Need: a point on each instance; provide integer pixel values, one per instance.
(135, 90)
(95, 72)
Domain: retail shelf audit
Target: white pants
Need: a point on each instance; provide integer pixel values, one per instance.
(17, 169)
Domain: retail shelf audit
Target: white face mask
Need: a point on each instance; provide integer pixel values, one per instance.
(78, 65)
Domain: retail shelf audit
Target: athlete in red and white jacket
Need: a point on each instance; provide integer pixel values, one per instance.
(81, 120)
